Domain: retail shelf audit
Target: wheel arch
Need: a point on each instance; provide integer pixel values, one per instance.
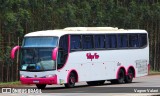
(133, 70)
(72, 71)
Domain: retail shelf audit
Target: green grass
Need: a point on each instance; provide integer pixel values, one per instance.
(10, 84)
(4, 83)
(153, 72)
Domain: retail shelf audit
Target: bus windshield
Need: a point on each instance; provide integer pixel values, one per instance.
(37, 59)
(40, 41)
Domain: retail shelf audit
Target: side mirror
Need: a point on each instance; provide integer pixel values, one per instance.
(54, 53)
(14, 50)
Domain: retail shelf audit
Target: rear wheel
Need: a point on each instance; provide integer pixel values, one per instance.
(71, 81)
(129, 77)
(41, 86)
(120, 79)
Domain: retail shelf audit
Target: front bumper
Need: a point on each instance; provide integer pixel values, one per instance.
(49, 80)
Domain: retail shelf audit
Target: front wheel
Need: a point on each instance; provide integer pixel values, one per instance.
(71, 81)
(41, 86)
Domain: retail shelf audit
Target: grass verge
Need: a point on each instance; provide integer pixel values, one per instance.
(152, 72)
(10, 84)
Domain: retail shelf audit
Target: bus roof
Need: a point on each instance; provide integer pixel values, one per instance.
(83, 30)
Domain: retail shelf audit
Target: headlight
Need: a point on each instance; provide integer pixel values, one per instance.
(51, 75)
(21, 75)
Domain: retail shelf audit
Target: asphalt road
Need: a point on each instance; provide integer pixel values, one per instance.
(140, 86)
(141, 83)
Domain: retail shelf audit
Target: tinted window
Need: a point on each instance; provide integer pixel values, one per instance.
(111, 41)
(99, 41)
(122, 40)
(142, 40)
(133, 40)
(36, 59)
(76, 42)
(40, 41)
(63, 43)
(87, 42)
(62, 51)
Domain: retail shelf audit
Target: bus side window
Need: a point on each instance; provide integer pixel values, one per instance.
(142, 40)
(62, 51)
(87, 42)
(75, 42)
(122, 40)
(133, 40)
(111, 41)
(99, 41)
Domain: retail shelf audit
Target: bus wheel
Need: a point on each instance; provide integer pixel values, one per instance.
(71, 81)
(121, 77)
(129, 77)
(41, 86)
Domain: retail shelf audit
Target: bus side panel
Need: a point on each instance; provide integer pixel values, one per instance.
(92, 69)
(105, 67)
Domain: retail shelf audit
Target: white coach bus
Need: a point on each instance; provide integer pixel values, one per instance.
(74, 54)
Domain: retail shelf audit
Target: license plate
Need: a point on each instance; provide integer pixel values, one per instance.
(35, 81)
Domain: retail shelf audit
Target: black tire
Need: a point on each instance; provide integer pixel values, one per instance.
(41, 86)
(94, 83)
(129, 77)
(71, 81)
(121, 77)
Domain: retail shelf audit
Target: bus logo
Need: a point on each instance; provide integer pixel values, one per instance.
(35, 76)
(90, 56)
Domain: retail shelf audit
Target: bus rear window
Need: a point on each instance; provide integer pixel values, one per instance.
(40, 42)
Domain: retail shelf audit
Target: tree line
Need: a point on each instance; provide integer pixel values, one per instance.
(18, 17)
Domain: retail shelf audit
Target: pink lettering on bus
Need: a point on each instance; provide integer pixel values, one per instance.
(90, 56)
